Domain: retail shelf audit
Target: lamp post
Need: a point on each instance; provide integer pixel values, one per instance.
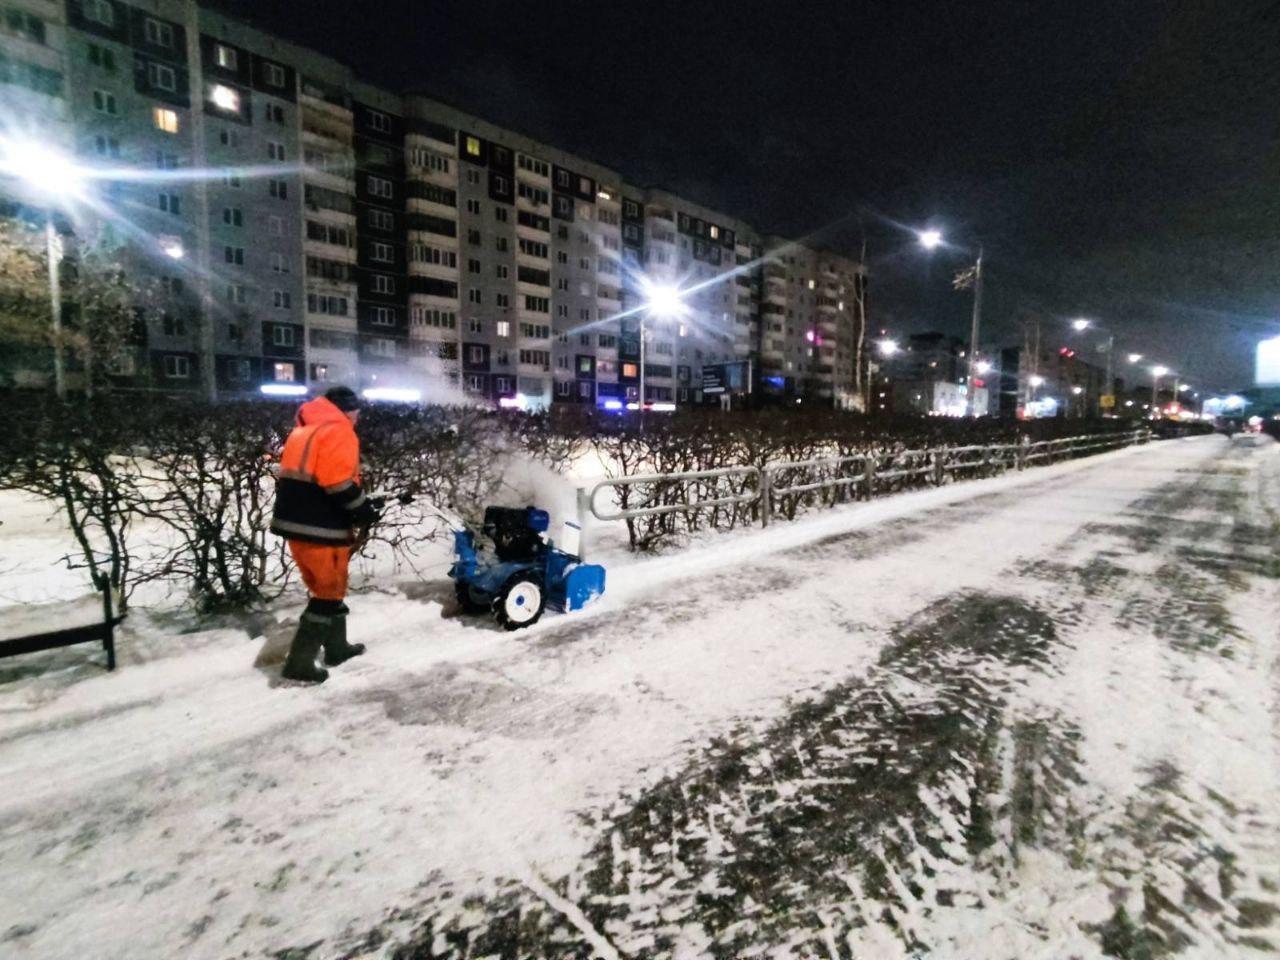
(52, 179)
(1156, 373)
(1108, 385)
(661, 300)
(932, 239)
(1035, 382)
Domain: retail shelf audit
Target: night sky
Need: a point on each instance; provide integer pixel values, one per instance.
(1119, 160)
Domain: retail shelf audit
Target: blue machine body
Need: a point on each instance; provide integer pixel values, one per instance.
(569, 583)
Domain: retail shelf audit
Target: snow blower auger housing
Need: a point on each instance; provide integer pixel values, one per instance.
(526, 572)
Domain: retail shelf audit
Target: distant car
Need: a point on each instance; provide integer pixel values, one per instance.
(1228, 425)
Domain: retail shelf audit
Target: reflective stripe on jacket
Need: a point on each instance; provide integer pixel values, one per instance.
(318, 484)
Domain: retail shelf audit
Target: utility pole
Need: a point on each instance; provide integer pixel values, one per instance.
(54, 254)
(1109, 386)
(973, 334)
(641, 409)
(861, 291)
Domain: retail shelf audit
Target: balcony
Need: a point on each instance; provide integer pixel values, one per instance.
(330, 180)
(325, 139)
(312, 100)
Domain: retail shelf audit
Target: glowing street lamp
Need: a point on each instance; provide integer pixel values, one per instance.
(1080, 325)
(1135, 357)
(46, 172)
(1036, 380)
(984, 367)
(1157, 372)
(663, 301)
(54, 179)
(888, 347)
(930, 239)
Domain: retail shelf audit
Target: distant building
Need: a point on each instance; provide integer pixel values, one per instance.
(349, 233)
(1053, 382)
(929, 376)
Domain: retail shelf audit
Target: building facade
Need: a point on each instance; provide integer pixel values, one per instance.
(309, 228)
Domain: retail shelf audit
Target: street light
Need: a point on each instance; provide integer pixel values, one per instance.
(888, 347)
(660, 300)
(1135, 357)
(50, 174)
(984, 367)
(930, 239)
(1081, 324)
(1157, 372)
(54, 179)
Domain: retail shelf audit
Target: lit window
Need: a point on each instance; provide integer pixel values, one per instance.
(283, 372)
(473, 146)
(225, 98)
(630, 370)
(715, 232)
(165, 119)
(503, 328)
(226, 56)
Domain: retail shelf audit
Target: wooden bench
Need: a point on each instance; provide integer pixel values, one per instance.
(28, 627)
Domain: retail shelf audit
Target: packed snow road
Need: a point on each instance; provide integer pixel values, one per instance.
(1031, 717)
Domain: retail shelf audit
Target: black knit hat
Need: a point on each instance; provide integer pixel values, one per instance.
(344, 398)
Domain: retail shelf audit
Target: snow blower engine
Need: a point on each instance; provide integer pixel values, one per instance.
(526, 572)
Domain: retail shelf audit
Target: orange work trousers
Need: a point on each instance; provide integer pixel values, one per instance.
(323, 568)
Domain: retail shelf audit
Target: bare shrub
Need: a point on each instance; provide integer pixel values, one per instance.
(206, 475)
(69, 453)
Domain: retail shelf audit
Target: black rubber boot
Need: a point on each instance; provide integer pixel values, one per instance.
(301, 662)
(336, 648)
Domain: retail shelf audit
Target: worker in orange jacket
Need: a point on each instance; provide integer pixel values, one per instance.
(319, 508)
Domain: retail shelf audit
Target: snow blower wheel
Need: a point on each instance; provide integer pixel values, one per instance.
(519, 603)
(471, 600)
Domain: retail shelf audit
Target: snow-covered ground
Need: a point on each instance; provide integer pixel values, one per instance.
(1037, 716)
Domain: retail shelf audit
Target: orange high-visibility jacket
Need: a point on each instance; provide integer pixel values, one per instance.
(318, 488)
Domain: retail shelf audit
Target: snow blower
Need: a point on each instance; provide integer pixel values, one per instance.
(525, 572)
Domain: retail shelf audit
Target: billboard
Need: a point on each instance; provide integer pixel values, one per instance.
(1268, 370)
(726, 377)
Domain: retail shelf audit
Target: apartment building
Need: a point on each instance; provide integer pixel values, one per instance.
(809, 323)
(308, 228)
